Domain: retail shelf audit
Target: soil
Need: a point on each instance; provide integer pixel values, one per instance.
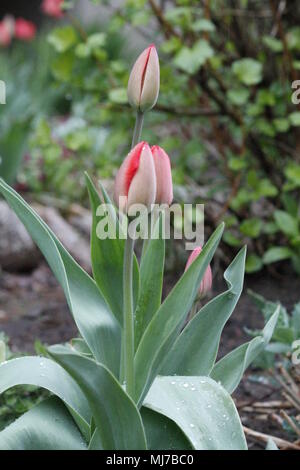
(32, 306)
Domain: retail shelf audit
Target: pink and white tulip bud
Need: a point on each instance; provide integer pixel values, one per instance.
(7, 29)
(206, 282)
(136, 180)
(164, 185)
(143, 84)
(24, 30)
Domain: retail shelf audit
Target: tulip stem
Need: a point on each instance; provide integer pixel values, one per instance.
(137, 128)
(128, 316)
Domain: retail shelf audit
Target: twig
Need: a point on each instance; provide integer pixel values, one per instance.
(290, 422)
(167, 27)
(261, 437)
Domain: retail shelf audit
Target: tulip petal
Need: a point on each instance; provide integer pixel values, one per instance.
(164, 185)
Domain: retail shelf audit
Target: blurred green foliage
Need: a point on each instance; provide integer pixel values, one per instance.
(287, 332)
(225, 112)
(17, 400)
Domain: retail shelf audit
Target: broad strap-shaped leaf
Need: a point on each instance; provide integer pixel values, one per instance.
(230, 369)
(195, 350)
(45, 373)
(117, 419)
(47, 426)
(201, 408)
(108, 254)
(151, 281)
(168, 320)
(162, 433)
(93, 318)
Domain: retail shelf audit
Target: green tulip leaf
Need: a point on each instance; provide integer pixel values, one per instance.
(168, 320)
(116, 417)
(230, 369)
(195, 350)
(42, 372)
(108, 254)
(47, 426)
(93, 318)
(162, 433)
(151, 276)
(201, 408)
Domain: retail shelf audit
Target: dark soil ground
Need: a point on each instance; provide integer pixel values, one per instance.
(32, 306)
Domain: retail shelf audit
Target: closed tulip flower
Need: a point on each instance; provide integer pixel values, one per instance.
(143, 84)
(24, 30)
(53, 8)
(206, 282)
(164, 185)
(7, 26)
(136, 181)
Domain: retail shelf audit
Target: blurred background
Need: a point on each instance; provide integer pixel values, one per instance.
(228, 115)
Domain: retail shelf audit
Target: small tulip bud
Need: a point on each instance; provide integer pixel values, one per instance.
(136, 181)
(53, 8)
(143, 84)
(206, 282)
(164, 185)
(7, 28)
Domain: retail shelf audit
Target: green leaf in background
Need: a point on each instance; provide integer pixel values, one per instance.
(162, 433)
(230, 369)
(107, 257)
(248, 71)
(93, 318)
(287, 224)
(238, 96)
(275, 45)
(201, 408)
(62, 38)
(295, 118)
(117, 419)
(195, 350)
(118, 95)
(12, 149)
(151, 282)
(2, 351)
(277, 253)
(203, 25)
(251, 227)
(292, 172)
(168, 320)
(191, 59)
(47, 426)
(42, 372)
(253, 263)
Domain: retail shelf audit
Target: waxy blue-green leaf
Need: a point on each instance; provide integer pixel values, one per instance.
(45, 373)
(195, 350)
(47, 426)
(168, 320)
(108, 254)
(151, 281)
(201, 408)
(162, 433)
(93, 318)
(230, 369)
(116, 417)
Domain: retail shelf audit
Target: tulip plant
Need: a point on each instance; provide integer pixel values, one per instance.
(143, 373)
